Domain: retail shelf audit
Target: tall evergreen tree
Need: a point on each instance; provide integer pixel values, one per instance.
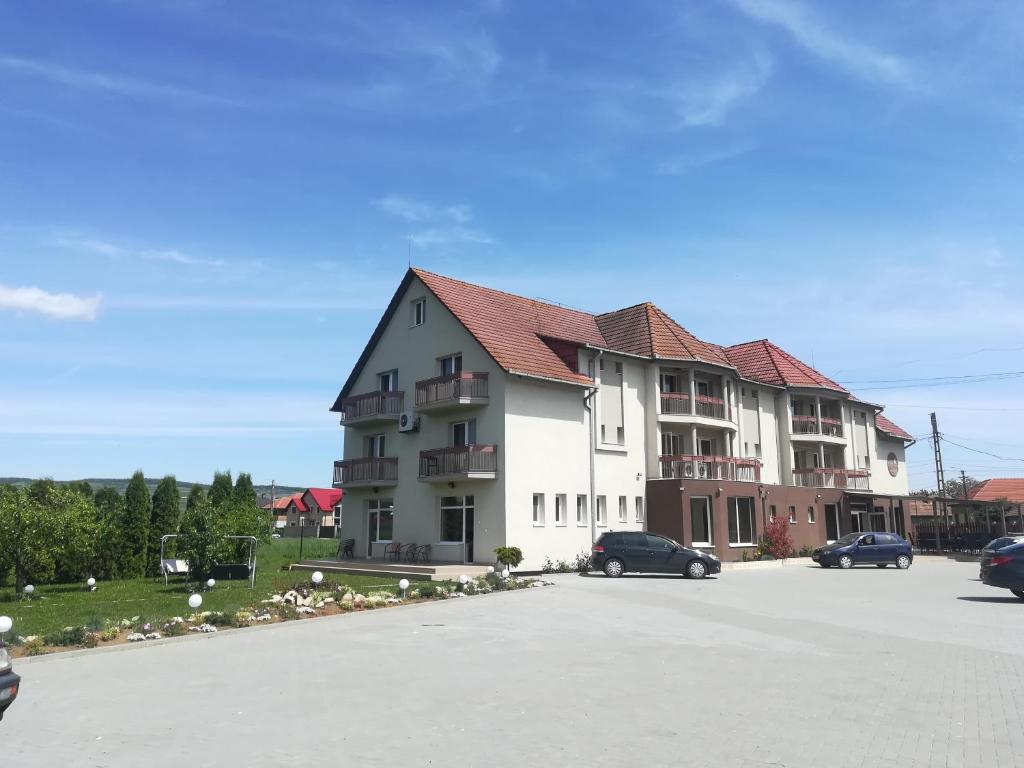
(195, 496)
(221, 489)
(109, 514)
(135, 526)
(244, 493)
(163, 519)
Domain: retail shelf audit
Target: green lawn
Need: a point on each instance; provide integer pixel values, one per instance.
(55, 606)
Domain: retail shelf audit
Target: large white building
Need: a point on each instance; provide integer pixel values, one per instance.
(476, 419)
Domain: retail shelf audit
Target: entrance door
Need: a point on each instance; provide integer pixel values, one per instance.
(371, 532)
(878, 519)
(857, 512)
(706, 447)
(469, 534)
(831, 522)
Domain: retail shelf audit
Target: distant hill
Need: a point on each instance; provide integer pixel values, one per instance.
(151, 482)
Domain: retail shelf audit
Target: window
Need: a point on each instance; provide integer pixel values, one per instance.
(538, 509)
(560, 502)
(810, 514)
(618, 368)
(620, 435)
(581, 509)
(623, 511)
(741, 521)
(701, 531)
(388, 381)
(382, 519)
(419, 311)
(757, 450)
(639, 509)
(451, 365)
(657, 542)
(463, 433)
(771, 513)
(454, 510)
(375, 446)
(792, 514)
(337, 516)
(671, 444)
(602, 434)
(601, 510)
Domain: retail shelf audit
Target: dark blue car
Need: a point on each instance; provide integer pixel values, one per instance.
(1002, 564)
(870, 548)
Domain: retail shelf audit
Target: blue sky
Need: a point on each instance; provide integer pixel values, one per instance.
(205, 206)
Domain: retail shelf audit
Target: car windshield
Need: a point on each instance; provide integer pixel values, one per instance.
(849, 538)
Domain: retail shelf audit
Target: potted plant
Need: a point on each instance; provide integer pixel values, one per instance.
(510, 557)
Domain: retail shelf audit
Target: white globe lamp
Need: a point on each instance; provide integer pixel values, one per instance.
(194, 601)
(5, 624)
(317, 577)
(463, 579)
(505, 573)
(90, 582)
(490, 569)
(403, 584)
(29, 589)
(211, 583)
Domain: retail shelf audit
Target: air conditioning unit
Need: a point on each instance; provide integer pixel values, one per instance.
(687, 469)
(408, 422)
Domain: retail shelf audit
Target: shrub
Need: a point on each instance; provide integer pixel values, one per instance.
(91, 640)
(582, 562)
(547, 566)
(510, 556)
(806, 551)
(175, 629)
(777, 540)
(427, 591)
(220, 619)
(66, 636)
(110, 633)
(34, 646)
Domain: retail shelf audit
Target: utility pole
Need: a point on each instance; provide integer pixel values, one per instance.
(939, 476)
(963, 481)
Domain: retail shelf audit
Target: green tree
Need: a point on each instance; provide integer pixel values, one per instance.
(109, 505)
(75, 533)
(221, 490)
(40, 489)
(244, 492)
(135, 527)
(195, 496)
(164, 518)
(27, 538)
(82, 487)
(200, 538)
(959, 487)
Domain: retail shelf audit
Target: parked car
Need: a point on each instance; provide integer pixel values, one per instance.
(1002, 564)
(9, 682)
(868, 548)
(618, 552)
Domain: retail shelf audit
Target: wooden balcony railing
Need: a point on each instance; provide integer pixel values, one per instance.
(366, 470)
(675, 402)
(459, 460)
(831, 477)
(710, 406)
(808, 425)
(710, 468)
(831, 427)
(452, 387)
(372, 404)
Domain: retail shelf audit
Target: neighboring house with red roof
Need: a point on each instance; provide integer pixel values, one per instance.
(475, 418)
(998, 489)
(314, 512)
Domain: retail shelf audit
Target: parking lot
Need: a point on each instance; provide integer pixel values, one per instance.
(794, 666)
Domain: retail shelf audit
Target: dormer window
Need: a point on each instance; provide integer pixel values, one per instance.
(419, 312)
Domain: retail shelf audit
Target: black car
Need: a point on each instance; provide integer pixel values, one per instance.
(869, 548)
(9, 682)
(615, 553)
(1002, 564)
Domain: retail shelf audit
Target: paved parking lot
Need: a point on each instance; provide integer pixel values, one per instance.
(794, 666)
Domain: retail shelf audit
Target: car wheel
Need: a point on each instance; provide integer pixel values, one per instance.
(696, 569)
(903, 562)
(1019, 593)
(845, 562)
(613, 568)
(880, 565)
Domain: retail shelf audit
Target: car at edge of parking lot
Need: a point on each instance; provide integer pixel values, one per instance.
(1002, 564)
(618, 552)
(9, 682)
(867, 548)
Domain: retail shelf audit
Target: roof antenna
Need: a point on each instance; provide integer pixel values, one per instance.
(409, 250)
(812, 359)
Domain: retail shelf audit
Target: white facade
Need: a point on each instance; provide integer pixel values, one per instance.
(523, 465)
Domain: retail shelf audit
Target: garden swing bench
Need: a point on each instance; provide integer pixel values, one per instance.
(174, 567)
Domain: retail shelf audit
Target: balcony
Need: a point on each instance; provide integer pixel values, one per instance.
(372, 407)
(712, 407)
(711, 468)
(453, 391)
(676, 403)
(679, 407)
(830, 477)
(465, 462)
(372, 471)
(804, 425)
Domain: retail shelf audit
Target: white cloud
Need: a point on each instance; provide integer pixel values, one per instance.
(445, 226)
(709, 101)
(812, 35)
(447, 236)
(99, 81)
(115, 251)
(177, 257)
(682, 164)
(417, 211)
(62, 306)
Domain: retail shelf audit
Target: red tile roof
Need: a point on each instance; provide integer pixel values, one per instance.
(999, 488)
(279, 503)
(763, 361)
(884, 425)
(296, 498)
(648, 331)
(325, 498)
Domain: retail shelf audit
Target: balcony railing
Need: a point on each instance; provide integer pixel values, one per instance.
(830, 477)
(710, 406)
(808, 425)
(459, 460)
(675, 402)
(367, 471)
(372, 405)
(451, 388)
(711, 468)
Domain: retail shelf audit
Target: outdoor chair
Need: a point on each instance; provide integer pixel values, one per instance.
(423, 553)
(410, 553)
(393, 550)
(348, 549)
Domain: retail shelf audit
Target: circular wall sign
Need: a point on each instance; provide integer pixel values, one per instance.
(894, 464)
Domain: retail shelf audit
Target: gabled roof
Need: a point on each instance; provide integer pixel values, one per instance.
(325, 498)
(279, 503)
(763, 361)
(647, 331)
(296, 499)
(1011, 488)
(882, 424)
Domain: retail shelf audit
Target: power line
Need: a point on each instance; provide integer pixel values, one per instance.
(933, 378)
(950, 407)
(986, 453)
(923, 383)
